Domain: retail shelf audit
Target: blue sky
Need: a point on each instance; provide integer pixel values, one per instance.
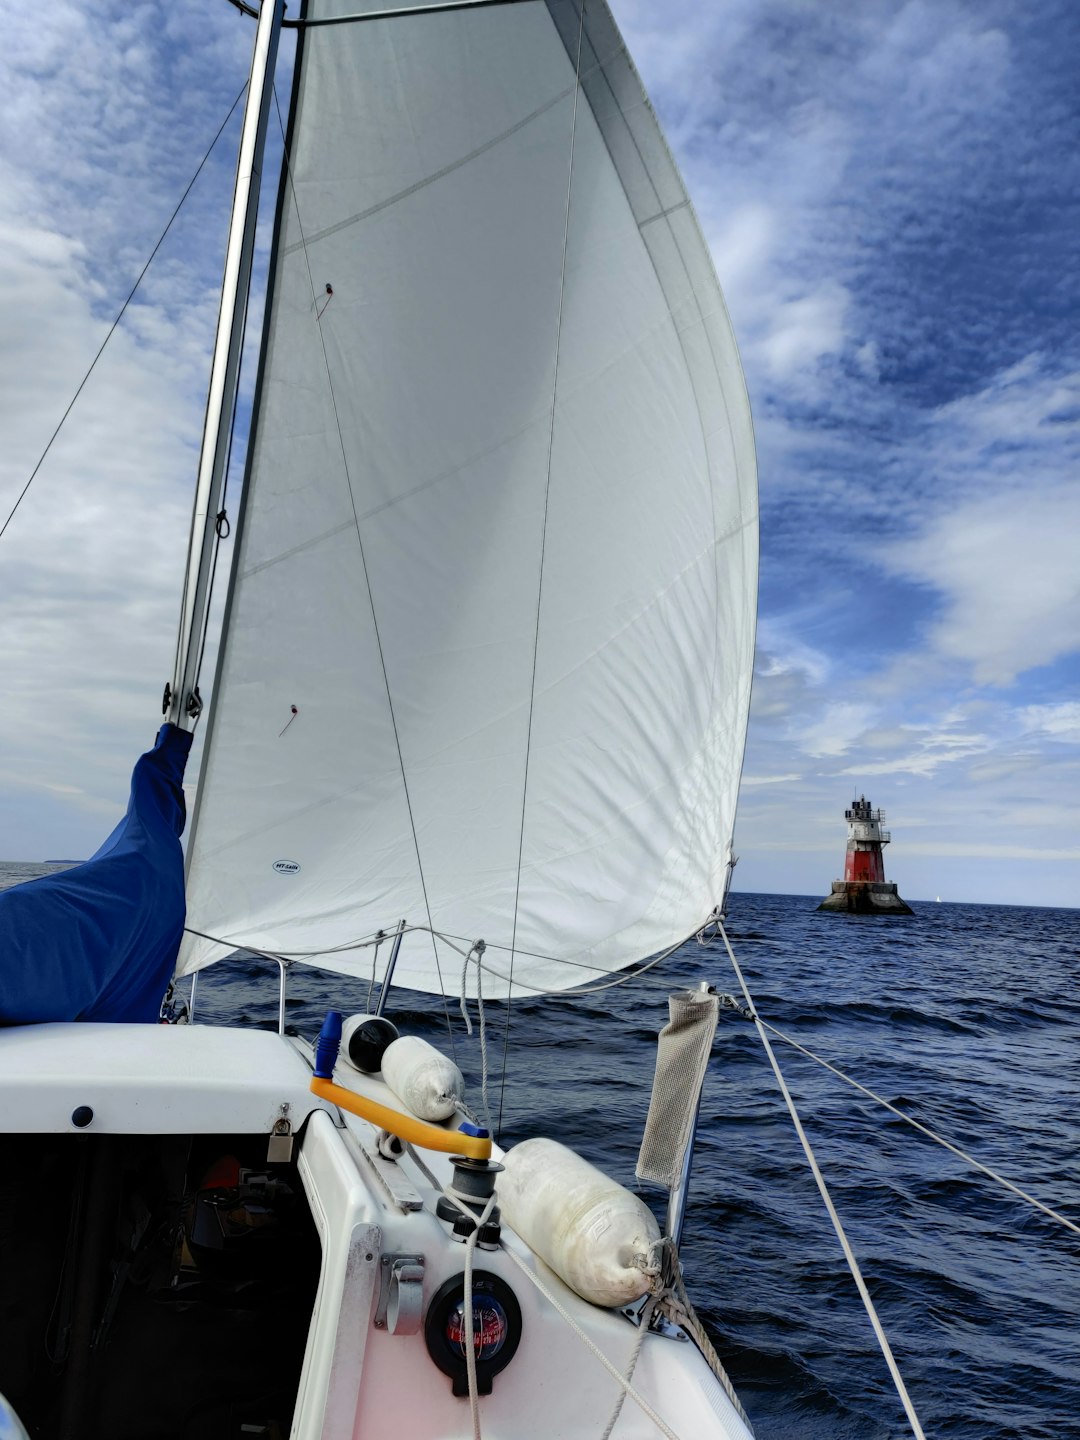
(892, 195)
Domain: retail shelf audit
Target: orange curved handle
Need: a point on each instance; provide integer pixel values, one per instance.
(417, 1132)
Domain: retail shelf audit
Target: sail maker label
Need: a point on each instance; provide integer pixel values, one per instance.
(286, 867)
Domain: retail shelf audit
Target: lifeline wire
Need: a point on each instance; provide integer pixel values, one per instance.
(123, 308)
(819, 1179)
(543, 548)
(367, 577)
(458, 943)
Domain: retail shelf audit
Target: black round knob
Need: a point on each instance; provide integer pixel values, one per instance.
(82, 1116)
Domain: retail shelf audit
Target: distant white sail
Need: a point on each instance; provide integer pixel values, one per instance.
(499, 540)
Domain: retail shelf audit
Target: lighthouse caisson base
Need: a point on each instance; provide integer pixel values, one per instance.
(866, 897)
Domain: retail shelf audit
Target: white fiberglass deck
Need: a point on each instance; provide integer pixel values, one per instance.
(150, 1079)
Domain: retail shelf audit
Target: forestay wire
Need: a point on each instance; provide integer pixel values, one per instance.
(849, 1254)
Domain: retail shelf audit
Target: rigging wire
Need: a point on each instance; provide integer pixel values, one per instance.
(364, 565)
(543, 548)
(823, 1189)
(923, 1129)
(123, 309)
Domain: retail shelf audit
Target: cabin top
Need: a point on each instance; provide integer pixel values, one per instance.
(150, 1080)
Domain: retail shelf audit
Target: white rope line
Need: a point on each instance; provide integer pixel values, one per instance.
(474, 954)
(624, 1382)
(925, 1130)
(819, 1179)
(470, 1250)
(612, 1370)
(643, 1329)
(668, 1287)
(470, 1339)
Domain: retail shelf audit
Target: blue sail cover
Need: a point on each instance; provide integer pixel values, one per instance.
(99, 941)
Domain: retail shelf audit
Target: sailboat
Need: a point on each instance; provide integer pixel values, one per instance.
(476, 730)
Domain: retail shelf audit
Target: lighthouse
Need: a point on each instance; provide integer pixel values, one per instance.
(864, 889)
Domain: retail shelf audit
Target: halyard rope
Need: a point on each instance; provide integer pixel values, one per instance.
(819, 1179)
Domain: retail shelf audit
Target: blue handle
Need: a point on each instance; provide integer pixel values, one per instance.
(328, 1045)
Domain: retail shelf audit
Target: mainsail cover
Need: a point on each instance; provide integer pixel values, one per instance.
(488, 644)
(99, 941)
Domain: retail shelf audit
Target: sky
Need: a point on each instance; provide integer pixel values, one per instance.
(891, 192)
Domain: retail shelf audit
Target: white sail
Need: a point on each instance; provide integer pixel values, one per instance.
(499, 540)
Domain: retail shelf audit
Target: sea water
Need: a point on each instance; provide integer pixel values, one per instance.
(965, 1017)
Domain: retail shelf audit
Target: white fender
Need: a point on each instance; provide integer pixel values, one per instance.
(423, 1079)
(591, 1231)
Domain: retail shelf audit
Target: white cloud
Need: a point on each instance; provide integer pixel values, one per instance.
(1061, 721)
(834, 733)
(804, 330)
(1007, 570)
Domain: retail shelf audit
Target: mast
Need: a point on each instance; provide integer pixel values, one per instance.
(182, 704)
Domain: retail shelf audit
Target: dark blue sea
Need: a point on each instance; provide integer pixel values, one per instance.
(966, 1017)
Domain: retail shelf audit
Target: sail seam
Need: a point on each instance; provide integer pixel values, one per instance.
(315, 540)
(431, 179)
(662, 214)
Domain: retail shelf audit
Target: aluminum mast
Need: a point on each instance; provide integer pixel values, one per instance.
(182, 704)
